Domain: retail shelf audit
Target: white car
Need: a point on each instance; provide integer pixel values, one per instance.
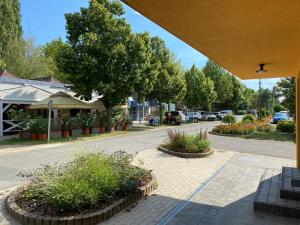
(209, 116)
(193, 116)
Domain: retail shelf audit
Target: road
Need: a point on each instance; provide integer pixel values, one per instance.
(12, 160)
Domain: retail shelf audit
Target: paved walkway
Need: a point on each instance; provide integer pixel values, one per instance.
(217, 190)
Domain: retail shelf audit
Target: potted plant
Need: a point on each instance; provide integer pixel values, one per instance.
(119, 118)
(113, 125)
(102, 121)
(42, 128)
(33, 127)
(22, 117)
(86, 120)
(66, 126)
(127, 122)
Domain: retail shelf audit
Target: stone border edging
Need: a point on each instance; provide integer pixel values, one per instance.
(186, 155)
(88, 219)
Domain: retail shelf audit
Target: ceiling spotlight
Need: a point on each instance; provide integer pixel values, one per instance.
(261, 69)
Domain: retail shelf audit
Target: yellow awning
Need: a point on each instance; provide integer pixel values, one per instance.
(237, 34)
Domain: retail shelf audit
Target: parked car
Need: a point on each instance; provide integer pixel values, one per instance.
(279, 116)
(219, 115)
(286, 112)
(177, 117)
(227, 111)
(252, 112)
(209, 116)
(193, 116)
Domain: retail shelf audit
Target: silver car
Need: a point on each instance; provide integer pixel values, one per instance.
(209, 116)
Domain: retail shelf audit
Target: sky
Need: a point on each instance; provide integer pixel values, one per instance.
(44, 21)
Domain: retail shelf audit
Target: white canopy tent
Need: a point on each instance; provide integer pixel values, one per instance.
(22, 95)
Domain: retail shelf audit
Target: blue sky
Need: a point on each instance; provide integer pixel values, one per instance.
(44, 20)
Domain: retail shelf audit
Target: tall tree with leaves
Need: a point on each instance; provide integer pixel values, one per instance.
(10, 27)
(286, 89)
(169, 85)
(103, 54)
(200, 90)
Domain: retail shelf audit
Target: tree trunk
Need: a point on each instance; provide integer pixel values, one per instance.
(160, 113)
(108, 110)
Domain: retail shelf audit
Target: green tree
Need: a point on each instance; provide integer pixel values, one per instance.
(27, 60)
(170, 84)
(199, 90)
(51, 51)
(286, 88)
(237, 94)
(103, 54)
(10, 27)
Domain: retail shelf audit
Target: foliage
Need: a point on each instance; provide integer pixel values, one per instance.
(85, 119)
(10, 29)
(33, 125)
(66, 123)
(286, 89)
(102, 119)
(238, 128)
(248, 118)
(170, 84)
(286, 126)
(90, 181)
(103, 55)
(27, 60)
(241, 112)
(181, 142)
(278, 108)
(20, 115)
(200, 90)
(229, 119)
(42, 125)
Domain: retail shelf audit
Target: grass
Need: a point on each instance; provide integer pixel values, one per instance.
(18, 141)
(89, 182)
(274, 136)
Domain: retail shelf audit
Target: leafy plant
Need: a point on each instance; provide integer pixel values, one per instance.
(20, 115)
(229, 119)
(90, 181)
(286, 126)
(42, 125)
(85, 119)
(248, 118)
(241, 112)
(66, 123)
(102, 119)
(180, 142)
(33, 126)
(278, 108)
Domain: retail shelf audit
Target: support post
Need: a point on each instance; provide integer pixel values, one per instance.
(1, 118)
(298, 120)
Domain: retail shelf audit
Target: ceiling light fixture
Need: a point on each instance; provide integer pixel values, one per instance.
(261, 69)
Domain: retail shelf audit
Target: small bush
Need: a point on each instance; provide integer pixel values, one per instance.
(248, 118)
(88, 182)
(286, 126)
(241, 112)
(238, 129)
(229, 119)
(181, 142)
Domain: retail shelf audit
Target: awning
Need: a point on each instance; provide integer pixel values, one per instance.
(61, 100)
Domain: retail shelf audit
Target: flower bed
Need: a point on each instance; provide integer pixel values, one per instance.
(91, 184)
(181, 144)
(238, 129)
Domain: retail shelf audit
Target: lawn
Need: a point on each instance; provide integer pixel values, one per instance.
(275, 136)
(17, 141)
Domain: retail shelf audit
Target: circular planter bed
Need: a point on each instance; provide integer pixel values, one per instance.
(87, 190)
(91, 217)
(186, 155)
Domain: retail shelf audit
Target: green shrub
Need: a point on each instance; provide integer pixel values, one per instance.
(248, 118)
(286, 126)
(181, 142)
(241, 112)
(278, 108)
(90, 181)
(86, 119)
(229, 119)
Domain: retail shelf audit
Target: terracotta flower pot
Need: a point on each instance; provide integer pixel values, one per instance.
(102, 130)
(125, 127)
(42, 136)
(86, 131)
(21, 134)
(66, 133)
(33, 136)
